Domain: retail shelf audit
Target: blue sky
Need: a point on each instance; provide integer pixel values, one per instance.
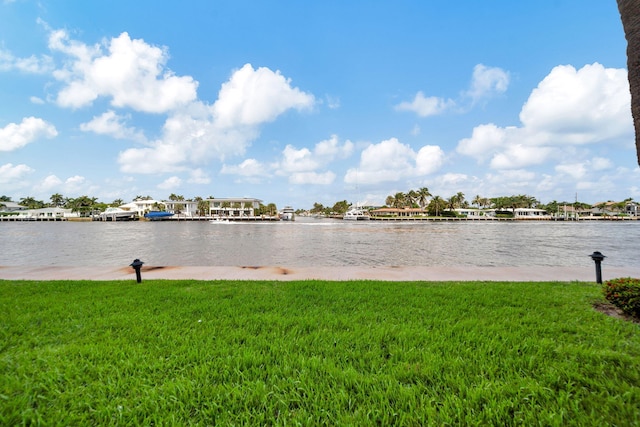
(299, 102)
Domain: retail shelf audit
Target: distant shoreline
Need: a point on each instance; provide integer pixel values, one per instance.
(273, 219)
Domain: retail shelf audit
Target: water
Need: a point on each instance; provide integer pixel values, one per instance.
(310, 242)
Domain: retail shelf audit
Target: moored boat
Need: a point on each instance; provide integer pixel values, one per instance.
(287, 214)
(117, 214)
(157, 215)
(356, 214)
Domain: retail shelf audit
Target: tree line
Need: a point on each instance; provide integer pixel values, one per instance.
(86, 205)
(436, 205)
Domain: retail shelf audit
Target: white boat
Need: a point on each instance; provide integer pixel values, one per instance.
(287, 214)
(117, 214)
(356, 214)
(220, 221)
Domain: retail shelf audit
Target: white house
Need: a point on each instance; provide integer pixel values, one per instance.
(240, 207)
(184, 207)
(143, 206)
(530, 213)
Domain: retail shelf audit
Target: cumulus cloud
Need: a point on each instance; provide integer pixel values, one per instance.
(129, 71)
(580, 106)
(487, 81)
(255, 96)
(13, 173)
(199, 132)
(568, 108)
(162, 157)
(170, 183)
(390, 160)
(426, 106)
(50, 182)
(301, 165)
(248, 168)
(112, 124)
(198, 176)
(14, 136)
(71, 185)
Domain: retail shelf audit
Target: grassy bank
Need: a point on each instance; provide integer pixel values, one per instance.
(314, 353)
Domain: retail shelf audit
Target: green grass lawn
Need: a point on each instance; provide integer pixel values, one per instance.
(314, 353)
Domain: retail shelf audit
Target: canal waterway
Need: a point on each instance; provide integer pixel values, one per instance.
(320, 242)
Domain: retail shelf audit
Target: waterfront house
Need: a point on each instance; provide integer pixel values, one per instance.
(143, 206)
(185, 208)
(469, 212)
(398, 212)
(233, 207)
(530, 213)
(6, 207)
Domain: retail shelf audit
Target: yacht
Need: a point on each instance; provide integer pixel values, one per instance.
(356, 214)
(287, 214)
(117, 214)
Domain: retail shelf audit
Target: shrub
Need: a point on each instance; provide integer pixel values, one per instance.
(624, 293)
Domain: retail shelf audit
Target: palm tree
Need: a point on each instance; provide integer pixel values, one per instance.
(389, 201)
(203, 207)
(412, 198)
(117, 202)
(423, 196)
(630, 15)
(57, 200)
(436, 205)
(399, 200)
(31, 203)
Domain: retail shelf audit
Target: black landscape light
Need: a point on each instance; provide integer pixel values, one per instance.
(137, 264)
(597, 257)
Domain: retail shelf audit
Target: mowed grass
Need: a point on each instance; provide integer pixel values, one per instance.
(314, 353)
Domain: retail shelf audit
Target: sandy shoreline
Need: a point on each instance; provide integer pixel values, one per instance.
(387, 273)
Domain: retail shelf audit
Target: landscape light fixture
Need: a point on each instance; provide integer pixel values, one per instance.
(597, 257)
(137, 264)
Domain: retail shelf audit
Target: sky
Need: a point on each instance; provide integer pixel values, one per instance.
(303, 102)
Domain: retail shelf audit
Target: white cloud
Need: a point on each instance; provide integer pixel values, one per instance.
(36, 100)
(429, 159)
(248, 168)
(162, 157)
(332, 102)
(32, 64)
(297, 160)
(301, 165)
(14, 136)
(487, 81)
(110, 123)
(252, 97)
(517, 156)
(170, 183)
(426, 106)
(132, 73)
(316, 178)
(49, 183)
(198, 176)
(72, 185)
(569, 107)
(391, 160)
(199, 133)
(13, 173)
(580, 106)
(330, 149)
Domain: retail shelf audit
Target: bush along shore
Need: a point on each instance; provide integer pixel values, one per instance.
(314, 353)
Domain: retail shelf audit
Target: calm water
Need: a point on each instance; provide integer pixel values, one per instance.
(308, 242)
